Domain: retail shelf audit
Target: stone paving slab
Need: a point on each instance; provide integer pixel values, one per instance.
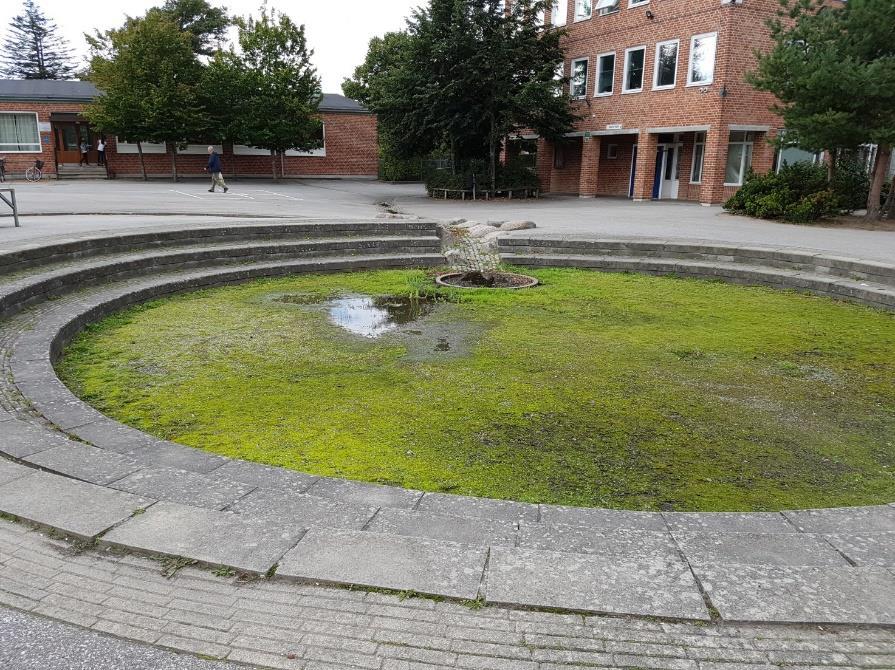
(10, 471)
(264, 476)
(85, 462)
(304, 510)
(216, 538)
(477, 532)
(386, 561)
(607, 585)
(619, 542)
(477, 508)
(111, 436)
(729, 522)
(844, 519)
(708, 548)
(876, 549)
(74, 507)
(159, 453)
(361, 493)
(601, 518)
(766, 593)
(182, 486)
(21, 439)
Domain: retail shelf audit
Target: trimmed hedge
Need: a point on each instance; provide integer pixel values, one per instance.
(514, 175)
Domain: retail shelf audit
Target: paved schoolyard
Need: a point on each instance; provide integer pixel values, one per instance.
(99, 205)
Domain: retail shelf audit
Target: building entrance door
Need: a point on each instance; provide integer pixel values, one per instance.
(68, 136)
(668, 172)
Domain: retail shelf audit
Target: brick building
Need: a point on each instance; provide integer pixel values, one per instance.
(666, 110)
(41, 120)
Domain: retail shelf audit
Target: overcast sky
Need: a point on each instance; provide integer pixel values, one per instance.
(337, 31)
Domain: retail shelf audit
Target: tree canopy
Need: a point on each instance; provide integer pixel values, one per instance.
(207, 25)
(833, 71)
(34, 49)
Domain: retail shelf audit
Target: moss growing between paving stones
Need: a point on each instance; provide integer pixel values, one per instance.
(594, 389)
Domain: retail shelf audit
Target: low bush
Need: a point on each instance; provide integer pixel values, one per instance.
(514, 175)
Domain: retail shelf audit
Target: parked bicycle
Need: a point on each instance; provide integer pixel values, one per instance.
(35, 173)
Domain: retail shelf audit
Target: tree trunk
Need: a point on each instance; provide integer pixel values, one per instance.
(174, 163)
(880, 170)
(142, 162)
(831, 164)
(273, 164)
(492, 150)
(889, 209)
(283, 164)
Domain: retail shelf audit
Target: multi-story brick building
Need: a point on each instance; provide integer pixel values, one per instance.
(660, 86)
(42, 120)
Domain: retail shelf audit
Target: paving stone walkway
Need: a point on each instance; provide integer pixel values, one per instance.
(310, 627)
(69, 468)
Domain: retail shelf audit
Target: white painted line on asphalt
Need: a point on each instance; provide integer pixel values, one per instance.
(189, 195)
(282, 195)
(241, 195)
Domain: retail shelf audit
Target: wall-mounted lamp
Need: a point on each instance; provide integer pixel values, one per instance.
(650, 15)
(723, 92)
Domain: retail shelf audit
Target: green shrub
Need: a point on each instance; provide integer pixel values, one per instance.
(798, 193)
(851, 184)
(514, 175)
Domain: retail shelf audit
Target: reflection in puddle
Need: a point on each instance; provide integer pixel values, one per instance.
(373, 317)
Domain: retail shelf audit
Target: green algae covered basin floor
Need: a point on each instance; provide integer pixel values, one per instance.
(610, 390)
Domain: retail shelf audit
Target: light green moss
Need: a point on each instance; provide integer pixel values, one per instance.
(594, 389)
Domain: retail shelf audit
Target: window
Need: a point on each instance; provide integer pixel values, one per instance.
(19, 133)
(578, 82)
(558, 13)
(739, 158)
(559, 156)
(666, 64)
(605, 73)
(319, 151)
(612, 151)
(146, 147)
(633, 79)
(583, 9)
(698, 158)
(637, 3)
(702, 59)
(605, 7)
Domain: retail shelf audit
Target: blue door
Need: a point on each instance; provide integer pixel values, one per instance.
(633, 170)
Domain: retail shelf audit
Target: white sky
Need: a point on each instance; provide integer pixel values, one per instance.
(338, 32)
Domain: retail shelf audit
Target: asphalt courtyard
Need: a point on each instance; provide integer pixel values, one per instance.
(51, 209)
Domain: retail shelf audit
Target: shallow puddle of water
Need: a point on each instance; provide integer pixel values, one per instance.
(373, 317)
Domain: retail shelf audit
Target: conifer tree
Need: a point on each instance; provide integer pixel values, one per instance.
(34, 49)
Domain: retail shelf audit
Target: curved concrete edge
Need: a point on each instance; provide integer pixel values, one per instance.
(529, 577)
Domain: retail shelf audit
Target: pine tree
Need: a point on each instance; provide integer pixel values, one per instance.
(33, 48)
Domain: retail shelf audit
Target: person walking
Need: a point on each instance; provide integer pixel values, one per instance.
(101, 151)
(84, 149)
(215, 170)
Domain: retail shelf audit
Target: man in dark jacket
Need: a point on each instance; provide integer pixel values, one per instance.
(214, 169)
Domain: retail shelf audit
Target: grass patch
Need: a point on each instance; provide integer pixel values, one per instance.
(613, 390)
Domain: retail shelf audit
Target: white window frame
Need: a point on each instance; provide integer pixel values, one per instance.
(582, 17)
(743, 167)
(600, 58)
(39, 143)
(625, 88)
(677, 59)
(637, 3)
(606, 11)
(698, 142)
(711, 79)
(319, 152)
(199, 149)
(147, 147)
(554, 12)
(572, 77)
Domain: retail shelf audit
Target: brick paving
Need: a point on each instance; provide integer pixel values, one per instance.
(303, 626)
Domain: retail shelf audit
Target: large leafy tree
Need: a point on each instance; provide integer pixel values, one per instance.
(205, 23)
(833, 71)
(34, 49)
(267, 94)
(150, 79)
(468, 73)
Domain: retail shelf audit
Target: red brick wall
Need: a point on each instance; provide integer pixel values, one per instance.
(16, 163)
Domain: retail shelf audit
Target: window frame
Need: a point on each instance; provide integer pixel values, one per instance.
(576, 18)
(637, 3)
(625, 88)
(609, 11)
(565, 14)
(711, 80)
(39, 143)
(586, 60)
(699, 141)
(600, 58)
(747, 141)
(677, 59)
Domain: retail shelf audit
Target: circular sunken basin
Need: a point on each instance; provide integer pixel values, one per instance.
(602, 390)
(501, 280)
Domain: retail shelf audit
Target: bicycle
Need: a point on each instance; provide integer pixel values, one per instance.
(35, 173)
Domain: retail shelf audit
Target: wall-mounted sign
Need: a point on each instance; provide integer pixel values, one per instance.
(614, 126)
(45, 127)
(587, 134)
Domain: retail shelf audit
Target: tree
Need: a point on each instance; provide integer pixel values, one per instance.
(833, 71)
(150, 80)
(268, 94)
(34, 50)
(206, 24)
(468, 73)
